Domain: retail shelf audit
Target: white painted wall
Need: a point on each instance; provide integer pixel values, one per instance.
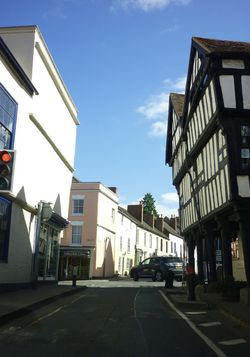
(41, 173)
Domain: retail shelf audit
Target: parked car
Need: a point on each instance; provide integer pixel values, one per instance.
(157, 267)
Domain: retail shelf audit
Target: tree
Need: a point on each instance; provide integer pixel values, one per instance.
(148, 202)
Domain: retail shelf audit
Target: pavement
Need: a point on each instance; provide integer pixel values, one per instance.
(18, 303)
(236, 311)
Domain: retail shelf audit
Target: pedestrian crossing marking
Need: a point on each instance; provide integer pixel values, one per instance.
(209, 324)
(237, 341)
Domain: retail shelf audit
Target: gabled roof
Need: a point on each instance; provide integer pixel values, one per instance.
(178, 103)
(222, 46)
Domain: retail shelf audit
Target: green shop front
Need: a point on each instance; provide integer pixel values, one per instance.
(75, 256)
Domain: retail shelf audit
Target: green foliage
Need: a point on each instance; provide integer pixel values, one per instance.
(148, 202)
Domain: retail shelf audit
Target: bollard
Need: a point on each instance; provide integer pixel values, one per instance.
(74, 275)
(169, 280)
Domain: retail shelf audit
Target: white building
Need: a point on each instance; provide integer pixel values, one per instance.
(37, 118)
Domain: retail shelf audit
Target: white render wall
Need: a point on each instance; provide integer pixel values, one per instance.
(125, 237)
(44, 142)
(106, 232)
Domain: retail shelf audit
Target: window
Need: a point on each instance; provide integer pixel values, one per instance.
(128, 245)
(78, 205)
(137, 236)
(245, 147)
(161, 244)
(171, 247)
(129, 263)
(157, 242)
(120, 243)
(180, 250)
(76, 234)
(175, 251)
(113, 216)
(166, 246)
(145, 239)
(150, 241)
(8, 109)
(5, 213)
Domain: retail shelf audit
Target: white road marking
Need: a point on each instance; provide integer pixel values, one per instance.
(233, 342)
(78, 298)
(47, 315)
(196, 312)
(210, 343)
(210, 324)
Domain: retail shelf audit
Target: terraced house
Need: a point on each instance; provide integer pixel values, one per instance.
(208, 148)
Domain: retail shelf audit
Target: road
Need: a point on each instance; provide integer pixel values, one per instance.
(119, 319)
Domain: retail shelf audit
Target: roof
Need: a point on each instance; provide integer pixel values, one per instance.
(12, 62)
(212, 45)
(141, 224)
(171, 230)
(178, 102)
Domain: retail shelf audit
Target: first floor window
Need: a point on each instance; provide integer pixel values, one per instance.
(166, 246)
(120, 243)
(8, 108)
(5, 213)
(76, 234)
(78, 205)
(128, 245)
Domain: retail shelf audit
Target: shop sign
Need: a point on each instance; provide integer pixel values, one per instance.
(75, 253)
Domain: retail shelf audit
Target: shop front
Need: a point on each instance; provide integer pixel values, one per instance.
(47, 248)
(70, 257)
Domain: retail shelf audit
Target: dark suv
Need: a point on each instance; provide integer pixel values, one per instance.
(157, 267)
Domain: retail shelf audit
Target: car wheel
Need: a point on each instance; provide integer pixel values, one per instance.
(135, 276)
(158, 276)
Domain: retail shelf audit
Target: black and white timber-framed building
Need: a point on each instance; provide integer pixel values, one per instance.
(208, 148)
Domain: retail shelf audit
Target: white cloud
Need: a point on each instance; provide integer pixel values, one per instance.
(166, 211)
(156, 107)
(158, 128)
(170, 197)
(146, 5)
(58, 10)
(177, 85)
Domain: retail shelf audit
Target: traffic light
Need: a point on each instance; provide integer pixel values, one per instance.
(6, 169)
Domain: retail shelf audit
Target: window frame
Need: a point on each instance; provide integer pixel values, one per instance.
(4, 258)
(74, 199)
(13, 131)
(74, 225)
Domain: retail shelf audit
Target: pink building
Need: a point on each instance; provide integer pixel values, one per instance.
(89, 239)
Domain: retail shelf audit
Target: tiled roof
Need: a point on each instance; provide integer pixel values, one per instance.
(211, 45)
(143, 224)
(178, 102)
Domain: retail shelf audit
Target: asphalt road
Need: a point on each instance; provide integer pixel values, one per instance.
(116, 322)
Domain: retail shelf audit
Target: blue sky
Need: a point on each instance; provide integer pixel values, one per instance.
(119, 60)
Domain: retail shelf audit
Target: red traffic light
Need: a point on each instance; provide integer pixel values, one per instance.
(5, 156)
(6, 169)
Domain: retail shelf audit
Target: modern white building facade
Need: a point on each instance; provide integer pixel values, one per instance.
(37, 118)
